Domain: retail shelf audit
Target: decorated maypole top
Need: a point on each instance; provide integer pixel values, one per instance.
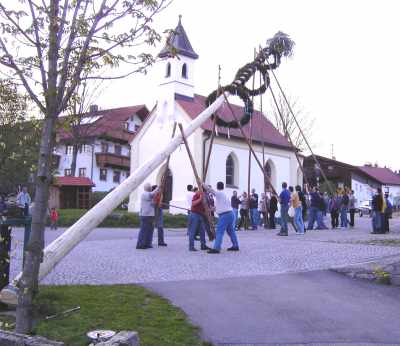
(277, 47)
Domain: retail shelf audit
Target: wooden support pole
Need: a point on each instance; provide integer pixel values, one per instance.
(213, 130)
(263, 162)
(250, 146)
(164, 175)
(210, 220)
(209, 150)
(60, 247)
(251, 135)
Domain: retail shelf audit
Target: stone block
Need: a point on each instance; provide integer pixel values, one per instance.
(15, 339)
(123, 338)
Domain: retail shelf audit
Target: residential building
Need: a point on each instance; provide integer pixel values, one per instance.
(103, 140)
(363, 180)
(389, 180)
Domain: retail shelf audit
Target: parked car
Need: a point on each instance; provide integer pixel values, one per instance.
(365, 208)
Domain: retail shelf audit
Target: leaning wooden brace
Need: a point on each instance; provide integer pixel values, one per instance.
(60, 247)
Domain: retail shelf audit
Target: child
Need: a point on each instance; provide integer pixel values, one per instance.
(53, 218)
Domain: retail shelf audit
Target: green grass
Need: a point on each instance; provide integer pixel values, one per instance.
(117, 307)
(118, 219)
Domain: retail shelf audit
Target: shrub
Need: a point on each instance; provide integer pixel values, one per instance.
(117, 219)
(96, 197)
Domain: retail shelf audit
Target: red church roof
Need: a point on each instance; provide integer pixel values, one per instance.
(384, 175)
(262, 128)
(73, 181)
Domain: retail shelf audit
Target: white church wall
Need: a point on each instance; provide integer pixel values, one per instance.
(283, 164)
(217, 172)
(152, 138)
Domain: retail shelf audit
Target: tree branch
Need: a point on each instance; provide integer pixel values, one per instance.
(68, 49)
(12, 65)
(16, 25)
(38, 47)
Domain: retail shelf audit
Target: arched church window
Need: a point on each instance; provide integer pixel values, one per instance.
(168, 71)
(230, 171)
(268, 175)
(184, 71)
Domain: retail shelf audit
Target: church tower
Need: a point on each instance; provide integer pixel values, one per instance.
(177, 68)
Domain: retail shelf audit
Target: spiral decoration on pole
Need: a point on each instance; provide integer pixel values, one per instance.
(277, 47)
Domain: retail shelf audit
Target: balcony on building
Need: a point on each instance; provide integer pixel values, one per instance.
(112, 160)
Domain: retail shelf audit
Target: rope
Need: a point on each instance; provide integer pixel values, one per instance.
(248, 143)
(302, 133)
(288, 135)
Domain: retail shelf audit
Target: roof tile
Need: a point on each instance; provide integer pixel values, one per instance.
(73, 181)
(382, 174)
(262, 129)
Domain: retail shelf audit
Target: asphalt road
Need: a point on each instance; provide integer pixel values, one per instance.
(319, 308)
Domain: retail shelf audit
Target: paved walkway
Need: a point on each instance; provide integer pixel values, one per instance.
(318, 307)
(275, 290)
(108, 256)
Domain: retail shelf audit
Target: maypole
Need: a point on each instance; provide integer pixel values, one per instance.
(280, 45)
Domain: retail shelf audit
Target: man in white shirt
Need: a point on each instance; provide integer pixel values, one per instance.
(225, 219)
(24, 201)
(189, 196)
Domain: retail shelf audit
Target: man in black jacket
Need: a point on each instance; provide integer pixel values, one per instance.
(377, 212)
(273, 207)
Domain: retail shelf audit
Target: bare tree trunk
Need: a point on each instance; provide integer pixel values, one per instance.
(28, 284)
(33, 256)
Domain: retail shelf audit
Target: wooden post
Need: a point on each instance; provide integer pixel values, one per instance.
(250, 146)
(213, 130)
(263, 162)
(210, 220)
(164, 175)
(209, 150)
(60, 247)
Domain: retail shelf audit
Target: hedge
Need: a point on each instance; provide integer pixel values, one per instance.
(117, 219)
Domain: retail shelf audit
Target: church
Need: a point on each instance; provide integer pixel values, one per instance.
(229, 160)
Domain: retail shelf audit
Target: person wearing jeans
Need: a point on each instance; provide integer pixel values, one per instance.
(235, 202)
(225, 219)
(197, 221)
(344, 208)
(145, 237)
(352, 207)
(284, 199)
(298, 210)
(254, 209)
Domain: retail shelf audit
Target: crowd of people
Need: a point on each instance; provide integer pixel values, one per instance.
(303, 208)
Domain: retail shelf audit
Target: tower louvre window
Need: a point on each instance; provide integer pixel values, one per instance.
(168, 70)
(184, 71)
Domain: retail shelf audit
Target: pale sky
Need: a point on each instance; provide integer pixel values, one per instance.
(345, 70)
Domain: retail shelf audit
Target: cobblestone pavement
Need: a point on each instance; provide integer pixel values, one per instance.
(108, 256)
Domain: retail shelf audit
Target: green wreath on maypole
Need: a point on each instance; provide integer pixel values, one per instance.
(278, 46)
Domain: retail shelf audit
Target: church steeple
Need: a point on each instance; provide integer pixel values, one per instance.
(178, 43)
(177, 71)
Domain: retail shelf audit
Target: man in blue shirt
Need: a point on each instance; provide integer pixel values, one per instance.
(284, 200)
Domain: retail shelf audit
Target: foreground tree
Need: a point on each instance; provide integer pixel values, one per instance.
(51, 46)
(19, 139)
(288, 126)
